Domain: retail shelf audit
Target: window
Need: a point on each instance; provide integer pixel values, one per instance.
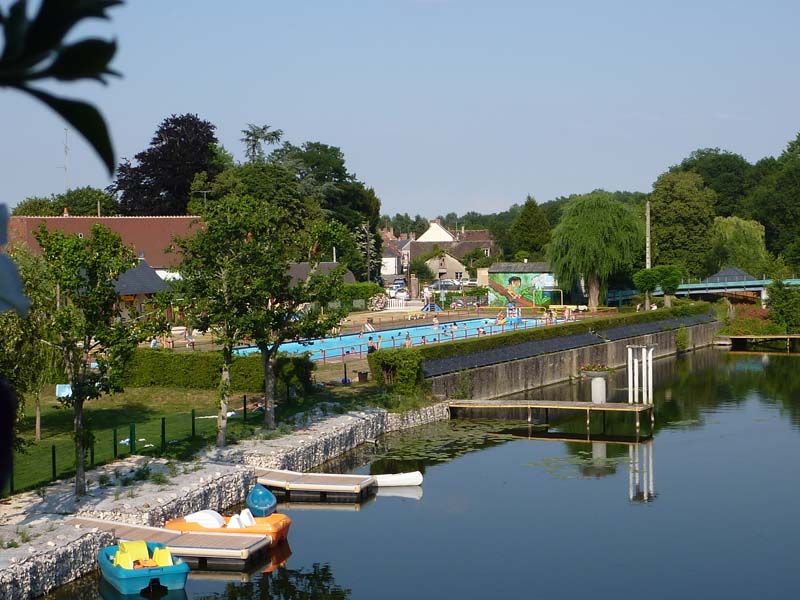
(459, 274)
(486, 251)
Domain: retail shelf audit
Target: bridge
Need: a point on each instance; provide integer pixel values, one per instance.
(745, 287)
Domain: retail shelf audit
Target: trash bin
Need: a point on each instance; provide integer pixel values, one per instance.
(362, 376)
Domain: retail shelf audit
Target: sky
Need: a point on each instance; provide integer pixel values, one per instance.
(439, 105)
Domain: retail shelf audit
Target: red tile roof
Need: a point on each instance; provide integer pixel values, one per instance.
(148, 235)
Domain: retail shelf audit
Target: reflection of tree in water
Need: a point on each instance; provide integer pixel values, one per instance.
(286, 584)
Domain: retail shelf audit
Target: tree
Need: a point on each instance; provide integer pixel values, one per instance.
(531, 230)
(160, 181)
(669, 277)
(597, 236)
(726, 173)
(421, 269)
(738, 243)
(236, 270)
(784, 306)
(682, 215)
(254, 139)
(36, 206)
(85, 324)
(26, 350)
(646, 282)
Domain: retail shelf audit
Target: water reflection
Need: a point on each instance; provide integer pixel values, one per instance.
(315, 583)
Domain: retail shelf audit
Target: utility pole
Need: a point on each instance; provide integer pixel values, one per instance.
(65, 166)
(367, 242)
(647, 234)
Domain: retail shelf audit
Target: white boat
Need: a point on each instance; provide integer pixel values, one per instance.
(399, 479)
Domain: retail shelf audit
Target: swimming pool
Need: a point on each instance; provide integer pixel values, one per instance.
(343, 346)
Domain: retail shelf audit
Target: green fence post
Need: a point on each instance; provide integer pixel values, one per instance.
(11, 482)
(115, 443)
(163, 435)
(53, 457)
(132, 437)
(244, 409)
(91, 455)
(192, 423)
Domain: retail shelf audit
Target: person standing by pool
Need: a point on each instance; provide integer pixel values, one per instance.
(378, 345)
(370, 346)
(435, 323)
(407, 343)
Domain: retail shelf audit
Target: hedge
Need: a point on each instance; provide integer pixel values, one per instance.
(401, 368)
(359, 291)
(201, 370)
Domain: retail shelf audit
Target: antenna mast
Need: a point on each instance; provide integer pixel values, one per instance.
(65, 166)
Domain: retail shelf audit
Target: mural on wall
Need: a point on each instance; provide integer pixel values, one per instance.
(523, 289)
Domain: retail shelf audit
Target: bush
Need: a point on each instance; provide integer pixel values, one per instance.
(201, 370)
(399, 369)
(359, 291)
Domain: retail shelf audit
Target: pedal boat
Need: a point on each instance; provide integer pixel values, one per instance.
(139, 566)
(276, 525)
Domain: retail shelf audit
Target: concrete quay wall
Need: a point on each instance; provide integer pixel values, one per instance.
(483, 383)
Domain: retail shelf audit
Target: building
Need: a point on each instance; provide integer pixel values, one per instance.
(135, 287)
(150, 237)
(524, 284)
(455, 244)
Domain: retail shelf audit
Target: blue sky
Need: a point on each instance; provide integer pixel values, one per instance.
(440, 105)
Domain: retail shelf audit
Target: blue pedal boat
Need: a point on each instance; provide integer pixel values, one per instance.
(134, 567)
(261, 502)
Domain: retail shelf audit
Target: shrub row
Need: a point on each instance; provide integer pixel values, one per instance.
(400, 369)
(359, 291)
(201, 370)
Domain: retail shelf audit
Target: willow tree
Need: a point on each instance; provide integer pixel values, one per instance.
(596, 237)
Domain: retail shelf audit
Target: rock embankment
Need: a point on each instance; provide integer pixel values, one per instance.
(41, 551)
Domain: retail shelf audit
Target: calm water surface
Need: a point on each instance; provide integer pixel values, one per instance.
(502, 515)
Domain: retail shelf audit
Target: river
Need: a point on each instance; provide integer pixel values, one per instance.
(707, 510)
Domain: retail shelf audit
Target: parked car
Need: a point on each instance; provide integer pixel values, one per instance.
(401, 294)
(400, 281)
(448, 285)
(469, 282)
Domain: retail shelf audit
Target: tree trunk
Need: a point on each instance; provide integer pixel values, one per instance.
(38, 415)
(80, 450)
(594, 291)
(667, 300)
(224, 396)
(268, 361)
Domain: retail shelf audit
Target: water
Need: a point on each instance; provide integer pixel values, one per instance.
(506, 516)
(356, 343)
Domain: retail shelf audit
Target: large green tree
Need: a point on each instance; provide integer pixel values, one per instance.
(596, 237)
(726, 173)
(236, 271)
(92, 341)
(774, 203)
(255, 136)
(531, 230)
(682, 215)
(738, 243)
(79, 202)
(160, 181)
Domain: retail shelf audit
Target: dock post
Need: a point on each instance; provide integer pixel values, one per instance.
(651, 350)
(529, 413)
(645, 383)
(635, 380)
(630, 375)
(588, 421)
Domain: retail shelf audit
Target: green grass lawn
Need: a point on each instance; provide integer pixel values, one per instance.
(142, 407)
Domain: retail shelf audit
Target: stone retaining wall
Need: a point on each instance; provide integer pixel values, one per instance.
(482, 383)
(41, 573)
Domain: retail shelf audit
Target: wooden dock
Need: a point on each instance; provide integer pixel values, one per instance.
(218, 551)
(316, 487)
(547, 405)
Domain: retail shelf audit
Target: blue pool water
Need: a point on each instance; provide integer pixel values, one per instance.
(356, 343)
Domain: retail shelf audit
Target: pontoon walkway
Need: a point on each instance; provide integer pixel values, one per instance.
(327, 487)
(223, 551)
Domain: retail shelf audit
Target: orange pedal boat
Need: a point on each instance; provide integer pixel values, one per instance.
(276, 525)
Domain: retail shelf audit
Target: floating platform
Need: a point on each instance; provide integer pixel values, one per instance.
(316, 487)
(547, 405)
(216, 551)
